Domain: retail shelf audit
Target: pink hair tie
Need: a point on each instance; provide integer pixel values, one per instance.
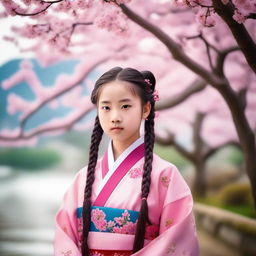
(143, 198)
(148, 82)
(155, 95)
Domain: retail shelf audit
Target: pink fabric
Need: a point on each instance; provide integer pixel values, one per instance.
(105, 164)
(119, 173)
(170, 206)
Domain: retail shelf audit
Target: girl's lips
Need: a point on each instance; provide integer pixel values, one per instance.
(116, 128)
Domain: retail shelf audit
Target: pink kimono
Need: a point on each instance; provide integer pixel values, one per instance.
(116, 202)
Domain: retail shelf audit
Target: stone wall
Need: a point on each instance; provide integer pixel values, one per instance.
(236, 230)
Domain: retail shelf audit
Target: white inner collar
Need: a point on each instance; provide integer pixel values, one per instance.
(112, 164)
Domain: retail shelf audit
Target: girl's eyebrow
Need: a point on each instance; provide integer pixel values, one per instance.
(125, 100)
(120, 101)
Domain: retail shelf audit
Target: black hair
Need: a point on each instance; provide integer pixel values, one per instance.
(144, 83)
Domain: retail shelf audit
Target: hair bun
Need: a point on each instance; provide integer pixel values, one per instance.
(150, 77)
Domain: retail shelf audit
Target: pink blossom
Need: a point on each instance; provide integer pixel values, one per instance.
(123, 1)
(129, 228)
(119, 220)
(117, 230)
(83, 3)
(239, 17)
(165, 180)
(10, 7)
(110, 224)
(98, 219)
(206, 19)
(126, 214)
(27, 2)
(225, 1)
(135, 173)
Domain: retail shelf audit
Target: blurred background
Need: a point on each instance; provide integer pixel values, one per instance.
(203, 56)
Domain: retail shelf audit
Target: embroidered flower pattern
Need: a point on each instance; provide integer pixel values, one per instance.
(171, 249)
(67, 253)
(121, 225)
(98, 218)
(135, 173)
(96, 254)
(165, 180)
(168, 223)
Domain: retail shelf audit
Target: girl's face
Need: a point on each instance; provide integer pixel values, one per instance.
(120, 111)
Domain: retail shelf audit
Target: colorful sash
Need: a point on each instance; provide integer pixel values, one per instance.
(112, 220)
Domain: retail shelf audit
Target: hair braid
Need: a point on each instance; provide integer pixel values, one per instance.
(146, 180)
(93, 156)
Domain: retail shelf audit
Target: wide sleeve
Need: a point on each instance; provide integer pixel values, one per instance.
(177, 232)
(67, 227)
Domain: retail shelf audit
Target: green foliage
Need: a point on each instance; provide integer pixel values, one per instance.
(228, 154)
(171, 155)
(234, 197)
(236, 156)
(29, 158)
(235, 194)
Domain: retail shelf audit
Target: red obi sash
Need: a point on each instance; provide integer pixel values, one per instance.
(109, 253)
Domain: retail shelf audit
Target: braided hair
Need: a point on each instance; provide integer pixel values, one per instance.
(144, 84)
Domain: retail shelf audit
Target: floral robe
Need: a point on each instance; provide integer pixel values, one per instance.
(116, 201)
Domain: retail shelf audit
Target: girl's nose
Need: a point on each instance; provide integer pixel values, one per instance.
(116, 118)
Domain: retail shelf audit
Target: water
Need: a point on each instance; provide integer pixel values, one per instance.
(28, 203)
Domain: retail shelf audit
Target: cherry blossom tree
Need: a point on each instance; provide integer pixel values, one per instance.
(215, 51)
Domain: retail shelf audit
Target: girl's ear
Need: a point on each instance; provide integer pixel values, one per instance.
(146, 110)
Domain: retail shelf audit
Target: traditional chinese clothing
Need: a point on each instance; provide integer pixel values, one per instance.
(116, 198)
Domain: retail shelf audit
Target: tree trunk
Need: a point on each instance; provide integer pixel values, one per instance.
(245, 134)
(199, 186)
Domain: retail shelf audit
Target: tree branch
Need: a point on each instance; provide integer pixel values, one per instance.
(25, 136)
(241, 35)
(170, 141)
(251, 16)
(212, 151)
(36, 13)
(221, 59)
(197, 86)
(57, 94)
(208, 47)
(197, 138)
(174, 48)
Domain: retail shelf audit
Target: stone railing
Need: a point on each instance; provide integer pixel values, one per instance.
(234, 229)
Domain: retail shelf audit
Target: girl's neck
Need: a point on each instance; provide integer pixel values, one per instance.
(119, 147)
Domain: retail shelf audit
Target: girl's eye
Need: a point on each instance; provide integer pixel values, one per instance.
(126, 106)
(105, 108)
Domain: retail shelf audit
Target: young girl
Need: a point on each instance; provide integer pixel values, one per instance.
(130, 202)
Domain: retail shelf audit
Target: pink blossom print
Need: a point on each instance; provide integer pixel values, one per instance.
(171, 249)
(165, 180)
(168, 223)
(135, 173)
(120, 225)
(98, 219)
(67, 253)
